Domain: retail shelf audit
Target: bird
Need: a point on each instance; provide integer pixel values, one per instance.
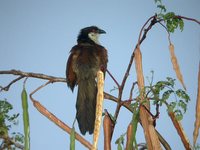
(85, 59)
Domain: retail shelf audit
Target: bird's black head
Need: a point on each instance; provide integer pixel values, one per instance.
(90, 35)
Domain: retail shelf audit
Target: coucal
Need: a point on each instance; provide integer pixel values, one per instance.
(85, 59)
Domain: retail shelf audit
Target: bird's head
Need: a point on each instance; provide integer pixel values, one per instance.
(90, 35)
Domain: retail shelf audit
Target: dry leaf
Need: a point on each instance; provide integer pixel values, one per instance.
(176, 65)
(197, 121)
(149, 131)
(180, 130)
(138, 64)
(107, 127)
(129, 136)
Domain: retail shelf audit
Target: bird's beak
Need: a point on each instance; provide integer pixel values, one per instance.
(100, 31)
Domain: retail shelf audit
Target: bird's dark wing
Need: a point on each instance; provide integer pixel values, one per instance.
(70, 74)
(102, 53)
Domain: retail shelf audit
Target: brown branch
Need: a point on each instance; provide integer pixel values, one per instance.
(148, 111)
(54, 119)
(140, 40)
(33, 75)
(132, 88)
(6, 88)
(142, 37)
(113, 78)
(154, 117)
(157, 111)
(115, 99)
(187, 18)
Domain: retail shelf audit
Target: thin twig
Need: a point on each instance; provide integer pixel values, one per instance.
(140, 40)
(113, 78)
(24, 83)
(153, 21)
(153, 116)
(6, 88)
(132, 88)
(157, 111)
(169, 39)
(115, 99)
(187, 18)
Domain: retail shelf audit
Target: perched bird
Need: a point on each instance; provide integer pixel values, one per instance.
(85, 59)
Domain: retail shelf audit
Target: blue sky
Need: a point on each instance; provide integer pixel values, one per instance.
(36, 36)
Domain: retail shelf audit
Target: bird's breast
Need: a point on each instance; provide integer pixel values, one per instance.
(87, 63)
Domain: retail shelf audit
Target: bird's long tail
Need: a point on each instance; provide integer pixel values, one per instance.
(86, 105)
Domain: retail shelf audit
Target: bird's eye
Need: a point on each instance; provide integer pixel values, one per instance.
(92, 34)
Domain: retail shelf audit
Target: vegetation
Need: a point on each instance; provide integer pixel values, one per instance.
(155, 95)
(12, 140)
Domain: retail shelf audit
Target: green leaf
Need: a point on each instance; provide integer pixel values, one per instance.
(166, 95)
(119, 146)
(135, 105)
(171, 82)
(181, 24)
(169, 15)
(72, 139)
(171, 107)
(172, 22)
(162, 7)
(3, 130)
(5, 107)
(18, 137)
(170, 26)
(113, 89)
(159, 85)
(120, 141)
(156, 1)
(6, 122)
(135, 121)
(182, 94)
(197, 147)
(178, 114)
(183, 105)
